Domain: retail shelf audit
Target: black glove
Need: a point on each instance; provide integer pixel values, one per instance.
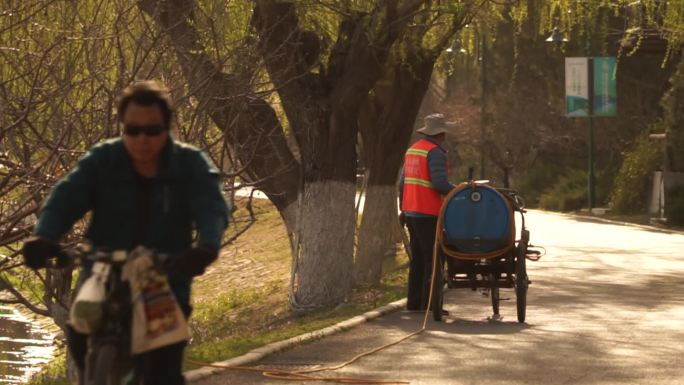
(195, 260)
(38, 250)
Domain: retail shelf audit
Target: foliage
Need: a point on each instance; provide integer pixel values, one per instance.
(642, 19)
(521, 92)
(674, 206)
(52, 373)
(62, 65)
(631, 186)
(537, 179)
(569, 193)
(673, 120)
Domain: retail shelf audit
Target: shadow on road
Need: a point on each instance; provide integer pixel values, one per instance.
(467, 326)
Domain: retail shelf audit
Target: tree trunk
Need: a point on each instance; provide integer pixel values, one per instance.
(323, 264)
(320, 105)
(250, 123)
(395, 109)
(377, 233)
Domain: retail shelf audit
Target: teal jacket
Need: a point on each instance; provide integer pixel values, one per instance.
(185, 196)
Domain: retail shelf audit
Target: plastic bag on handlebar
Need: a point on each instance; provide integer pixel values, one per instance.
(85, 315)
(157, 318)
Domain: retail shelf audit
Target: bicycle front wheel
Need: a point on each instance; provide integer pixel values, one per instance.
(106, 366)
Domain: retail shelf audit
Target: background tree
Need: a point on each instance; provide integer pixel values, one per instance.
(279, 92)
(320, 92)
(526, 129)
(62, 65)
(387, 122)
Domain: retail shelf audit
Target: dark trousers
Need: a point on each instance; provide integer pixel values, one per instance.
(422, 233)
(163, 366)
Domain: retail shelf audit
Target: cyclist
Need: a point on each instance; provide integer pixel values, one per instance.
(143, 188)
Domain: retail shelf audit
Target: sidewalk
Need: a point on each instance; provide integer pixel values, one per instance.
(195, 376)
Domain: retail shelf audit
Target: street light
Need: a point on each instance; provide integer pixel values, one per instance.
(453, 53)
(483, 106)
(557, 37)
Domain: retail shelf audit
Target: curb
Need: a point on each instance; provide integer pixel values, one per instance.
(259, 353)
(614, 222)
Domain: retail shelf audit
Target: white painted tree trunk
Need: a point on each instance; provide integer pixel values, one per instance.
(324, 245)
(377, 233)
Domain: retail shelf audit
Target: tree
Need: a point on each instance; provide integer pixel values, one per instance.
(387, 122)
(62, 65)
(58, 84)
(312, 184)
(525, 126)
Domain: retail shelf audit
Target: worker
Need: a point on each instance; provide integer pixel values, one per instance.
(422, 186)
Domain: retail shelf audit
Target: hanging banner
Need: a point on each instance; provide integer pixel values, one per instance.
(577, 86)
(605, 88)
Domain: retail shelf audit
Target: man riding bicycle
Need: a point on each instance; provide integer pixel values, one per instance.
(143, 189)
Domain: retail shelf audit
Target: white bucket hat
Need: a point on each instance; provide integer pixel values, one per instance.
(435, 124)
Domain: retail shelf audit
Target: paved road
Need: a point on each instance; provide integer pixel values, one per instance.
(606, 307)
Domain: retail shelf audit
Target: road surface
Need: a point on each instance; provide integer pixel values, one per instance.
(606, 307)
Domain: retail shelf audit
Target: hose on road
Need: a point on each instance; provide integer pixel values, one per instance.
(305, 375)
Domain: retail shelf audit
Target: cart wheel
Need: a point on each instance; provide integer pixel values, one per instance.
(438, 292)
(494, 294)
(521, 282)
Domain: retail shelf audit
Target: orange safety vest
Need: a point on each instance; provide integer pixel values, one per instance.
(419, 196)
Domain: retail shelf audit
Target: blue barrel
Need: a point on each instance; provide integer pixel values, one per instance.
(477, 220)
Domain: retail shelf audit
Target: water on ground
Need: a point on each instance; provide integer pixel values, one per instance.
(24, 347)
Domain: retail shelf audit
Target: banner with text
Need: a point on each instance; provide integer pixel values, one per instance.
(577, 86)
(605, 88)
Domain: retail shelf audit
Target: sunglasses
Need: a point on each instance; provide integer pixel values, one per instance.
(148, 130)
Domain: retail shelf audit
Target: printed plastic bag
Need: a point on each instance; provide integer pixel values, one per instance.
(85, 315)
(157, 318)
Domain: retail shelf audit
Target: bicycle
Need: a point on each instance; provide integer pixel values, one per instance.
(108, 360)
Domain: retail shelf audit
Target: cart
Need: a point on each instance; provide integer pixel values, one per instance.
(477, 241)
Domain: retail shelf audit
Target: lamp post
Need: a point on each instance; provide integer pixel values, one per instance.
(592, 181)
(483, 109)
(453, 54)
(557, 38)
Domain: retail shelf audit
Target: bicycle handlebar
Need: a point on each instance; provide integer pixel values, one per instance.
(75, 256)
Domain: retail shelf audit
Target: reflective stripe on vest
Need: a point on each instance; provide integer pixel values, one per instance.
(419, 195)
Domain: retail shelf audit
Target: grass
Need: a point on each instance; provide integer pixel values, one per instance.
(240, 303)
(638, 219)
(52, 373)
(254, 312)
